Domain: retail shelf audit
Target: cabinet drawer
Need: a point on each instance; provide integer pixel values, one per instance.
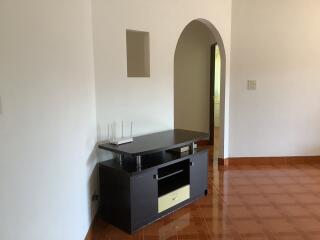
(173, 198)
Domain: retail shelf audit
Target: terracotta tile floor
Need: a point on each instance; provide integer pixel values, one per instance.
(244, 202)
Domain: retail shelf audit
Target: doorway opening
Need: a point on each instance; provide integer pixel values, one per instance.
(215, 87)
(199, 82)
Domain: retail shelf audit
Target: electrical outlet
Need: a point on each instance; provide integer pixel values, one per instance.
(252, 85)
(94, 197)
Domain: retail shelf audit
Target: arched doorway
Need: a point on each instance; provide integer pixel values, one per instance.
(199, 82)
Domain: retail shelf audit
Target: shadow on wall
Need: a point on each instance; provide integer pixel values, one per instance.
(97, 155)
(93, 184)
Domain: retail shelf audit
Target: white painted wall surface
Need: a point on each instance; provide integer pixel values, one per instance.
(148, 102)
(277, 44)
(217, 87)
(192, 78)
(48, 123)
(47, 88)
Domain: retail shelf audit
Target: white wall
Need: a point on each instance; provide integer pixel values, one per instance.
(48, 124)
(192, 78)
(148, 102)
(217, 87)
(277, 44)
(47, 87)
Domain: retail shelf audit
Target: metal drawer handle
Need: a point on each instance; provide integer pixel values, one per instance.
(169, 175)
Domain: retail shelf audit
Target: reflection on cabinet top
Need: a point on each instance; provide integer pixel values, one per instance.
(156, 142)
(149, 162)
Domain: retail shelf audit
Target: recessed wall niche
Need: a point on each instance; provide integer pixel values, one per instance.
(138, 54)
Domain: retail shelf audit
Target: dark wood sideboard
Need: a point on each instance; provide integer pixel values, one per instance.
(150, 179)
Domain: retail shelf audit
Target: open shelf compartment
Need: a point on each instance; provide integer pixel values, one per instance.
(173, 177)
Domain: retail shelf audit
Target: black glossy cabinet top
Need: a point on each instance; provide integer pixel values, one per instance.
(156, 142)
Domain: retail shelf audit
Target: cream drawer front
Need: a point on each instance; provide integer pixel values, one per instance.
(173, 198)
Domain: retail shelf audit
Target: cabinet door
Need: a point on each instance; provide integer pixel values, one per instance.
(199, 174)
(144, 198)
